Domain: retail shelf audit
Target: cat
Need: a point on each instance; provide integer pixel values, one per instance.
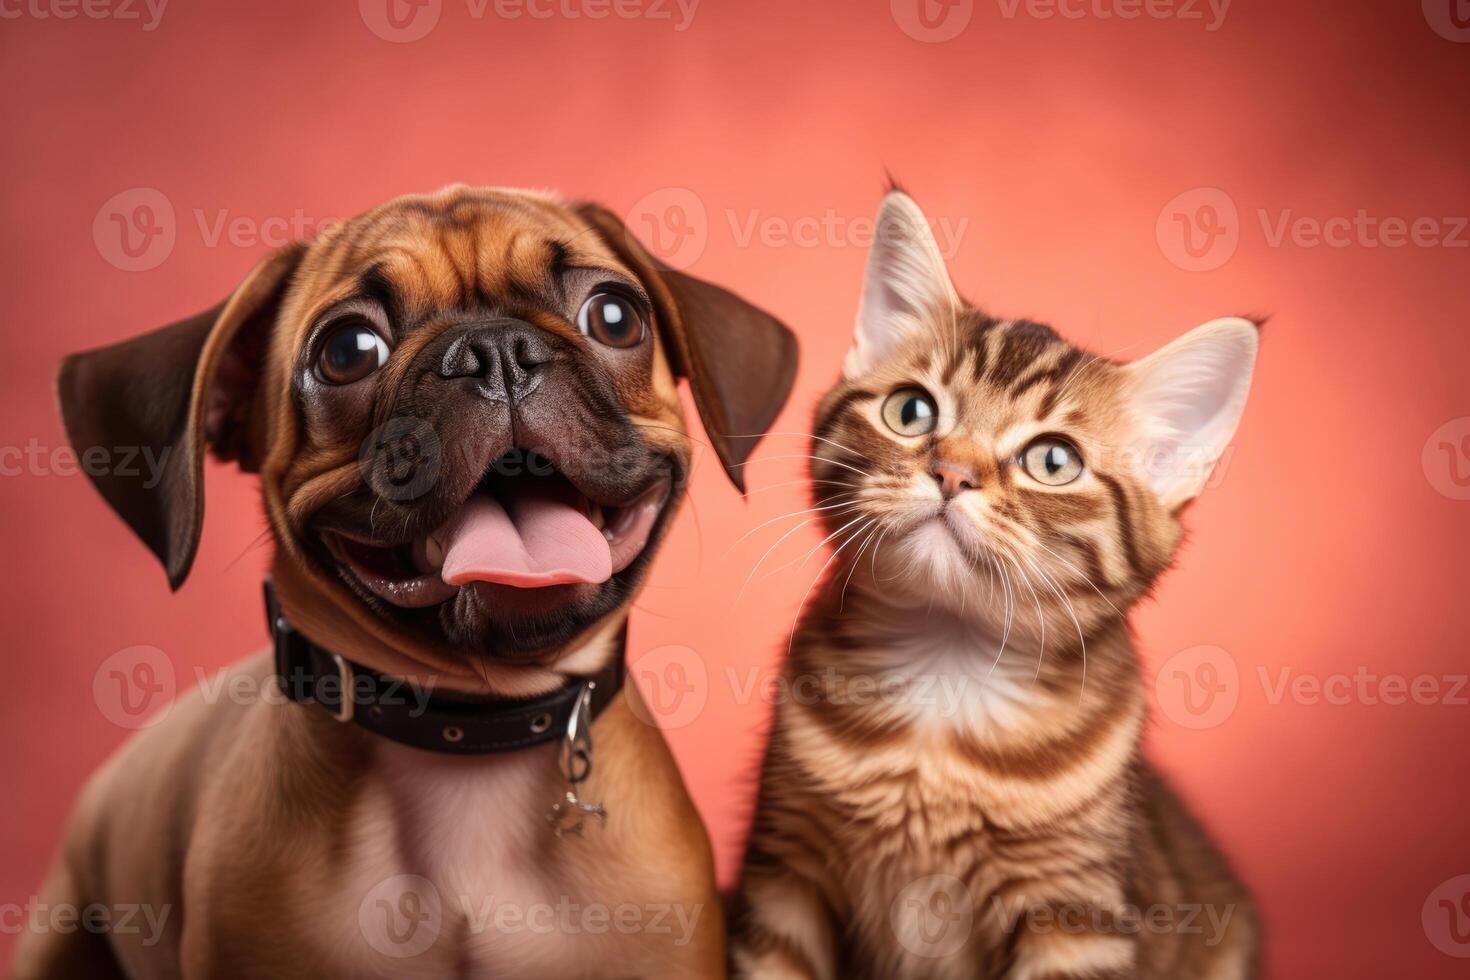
(954, 786)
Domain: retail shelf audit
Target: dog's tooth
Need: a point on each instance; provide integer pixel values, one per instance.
(434, 552)
(597, 517)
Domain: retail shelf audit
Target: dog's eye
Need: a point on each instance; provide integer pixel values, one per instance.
(611, 320)
(350, 353)
(1052, 461)
(910, 412)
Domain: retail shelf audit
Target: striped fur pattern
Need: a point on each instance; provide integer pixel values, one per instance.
(953, 786)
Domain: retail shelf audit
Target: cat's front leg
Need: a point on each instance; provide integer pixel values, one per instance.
(783, 929)
(1071, 941)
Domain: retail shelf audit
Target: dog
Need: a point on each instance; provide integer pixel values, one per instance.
(464, 414)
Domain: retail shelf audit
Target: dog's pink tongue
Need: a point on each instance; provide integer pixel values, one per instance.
(528, 540)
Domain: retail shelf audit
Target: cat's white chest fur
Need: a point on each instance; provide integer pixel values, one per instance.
(960, 679)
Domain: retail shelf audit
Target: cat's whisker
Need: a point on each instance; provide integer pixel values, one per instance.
(1087, 362)
(820, 459)
(1050, 583)
(873, 558)
(1081, 576)
(837, 502)
(805, 483)
(800, 435)
(1013, 556)
(807, 557)
(1055, 587)
(965, 592)
(756, 567)
(801, 606)
(1006, 632)
(259, 540)
(872, 529)
(954, 331)
(1075, 375)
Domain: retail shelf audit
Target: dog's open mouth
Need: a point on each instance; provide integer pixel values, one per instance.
(524, 532)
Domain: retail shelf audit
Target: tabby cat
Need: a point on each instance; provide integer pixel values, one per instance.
(954, 785)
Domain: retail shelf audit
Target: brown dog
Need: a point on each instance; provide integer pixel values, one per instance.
(464, 414)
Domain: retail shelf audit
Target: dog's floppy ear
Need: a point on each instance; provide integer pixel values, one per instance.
(164, 397)
(740, 360)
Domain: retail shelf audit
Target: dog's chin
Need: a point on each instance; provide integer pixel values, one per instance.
(506, 623)
(512, 612)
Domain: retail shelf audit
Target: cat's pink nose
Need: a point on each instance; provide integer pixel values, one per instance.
(953, 480)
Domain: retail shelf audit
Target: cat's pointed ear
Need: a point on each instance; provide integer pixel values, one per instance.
(906, 288)
(1187, 399)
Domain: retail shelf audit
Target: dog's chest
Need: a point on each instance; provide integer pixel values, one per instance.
(456, 872)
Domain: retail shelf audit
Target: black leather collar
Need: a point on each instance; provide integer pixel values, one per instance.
(411, 714)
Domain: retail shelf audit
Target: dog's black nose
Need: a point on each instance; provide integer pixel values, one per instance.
(507, 355)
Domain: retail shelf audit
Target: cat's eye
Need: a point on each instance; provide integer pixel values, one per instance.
(611, 320)
(1052, 461)
(351, 352)
(910, 412)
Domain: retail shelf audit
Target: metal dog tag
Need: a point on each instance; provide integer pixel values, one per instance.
(570, 815)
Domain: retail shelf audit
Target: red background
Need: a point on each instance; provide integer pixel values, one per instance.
(1326, 547)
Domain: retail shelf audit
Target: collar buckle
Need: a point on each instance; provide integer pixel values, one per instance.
(348, 697)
